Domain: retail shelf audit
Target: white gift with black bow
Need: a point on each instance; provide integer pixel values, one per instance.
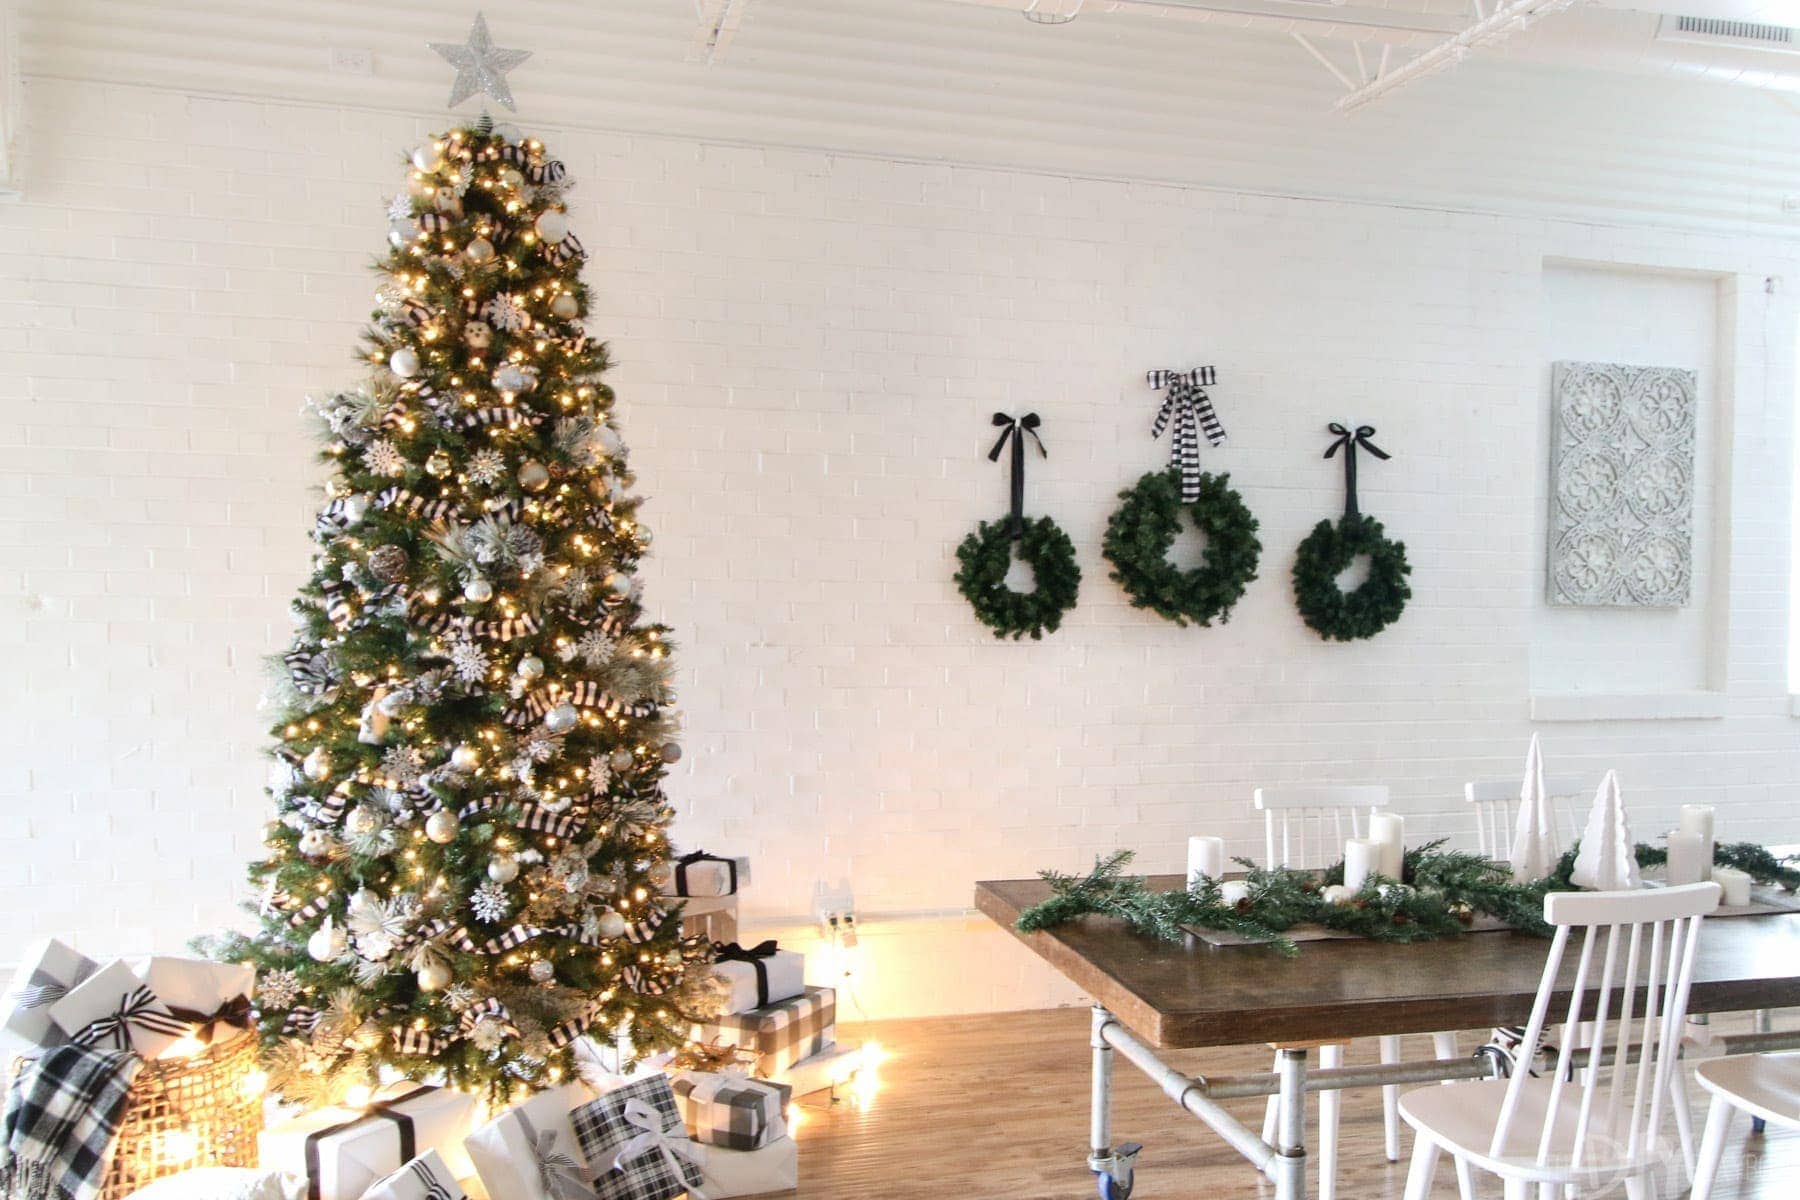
(422, 1178)
(758, 976)
(113, 1009)
(530, 1152)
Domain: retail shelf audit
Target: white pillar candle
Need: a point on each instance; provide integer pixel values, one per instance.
(1698, 819)
(1735, 882)
(1362, 858)
(1389, 831)
(1206, 858)
(1686, 857)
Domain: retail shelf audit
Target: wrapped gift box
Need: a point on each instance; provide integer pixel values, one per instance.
(114, 1009)
(773, 1168)
(212, 998)
(703, 874)
(759, 975)
(342, 1151)
(46, 972)
(710, 918)
(422, 1178)
(530, 1152)
(730, 1110)
(831, 1066)
(635, 1143)
(781, 1034)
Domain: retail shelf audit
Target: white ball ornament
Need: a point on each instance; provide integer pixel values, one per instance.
(611, 439)
(530, 667)
(511, 377)
(315, 843)
(478, 590)
(661, 874)
(617, 585)
(361, 821)
(465, 757)
(479, 250)
(565, 306)
(327, 942)
(562, 718)
(643, 535)
(552, 225)
(534, 476)
(441, 827)
(403, 231)
(404, 362)
(317, 764)
(612, 925)
(355, 508)
(503, 868)
(621, 760)
(429, 156)
(511, 177)
(1337, 893)
(542, 971)
(434, 976)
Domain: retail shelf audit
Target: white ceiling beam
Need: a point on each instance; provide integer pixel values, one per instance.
(1504, 19)
(718, 22)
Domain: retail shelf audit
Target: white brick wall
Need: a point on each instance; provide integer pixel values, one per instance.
(810, 346)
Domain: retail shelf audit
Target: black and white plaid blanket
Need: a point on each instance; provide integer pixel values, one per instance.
(62, 1114)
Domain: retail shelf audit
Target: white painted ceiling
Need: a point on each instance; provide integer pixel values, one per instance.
(1585, 115)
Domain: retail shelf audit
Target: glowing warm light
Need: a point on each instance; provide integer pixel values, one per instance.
(254, 1084)
(358, 1096)
(177, 1146)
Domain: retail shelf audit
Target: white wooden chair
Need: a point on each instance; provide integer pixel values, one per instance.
(1305, 827)
(1495, 803)
(1600, 1123)
(1763, 1085)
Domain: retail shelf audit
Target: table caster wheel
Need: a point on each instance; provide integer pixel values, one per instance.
(1115, 1180)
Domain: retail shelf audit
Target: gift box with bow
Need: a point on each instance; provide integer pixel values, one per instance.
(703, 874)
(530, 1152)
(113, 1009)
(46, 973)
(213, 998)
(772, 1168)
(634, 1140)
(730, 1110)
(758, 975)
(422, 1178)
(781, 1034)
(342, 1151)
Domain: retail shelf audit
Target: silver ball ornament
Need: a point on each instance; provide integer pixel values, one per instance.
(542, 971)
(479, 250)
(612, 925)
(562, 718)
(643, 535)
(441, 827)
(511, 377)
(671, 752)
(404, 362)
(565, 306)
(503, 868)
(429, 156)
(361, 821)
(617, 585)
(478, 590)
(530, 667)
(621, 760)
(511, 177)
(661, 874)
(317, 764)
(434, 976)
(553, 226)
(534, 476)
(465, 757)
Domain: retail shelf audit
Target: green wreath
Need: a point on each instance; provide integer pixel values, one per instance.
(1143, 528)
(1345, 616)
(986, 556)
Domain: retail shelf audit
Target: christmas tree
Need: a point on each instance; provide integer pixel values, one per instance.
(462, 878)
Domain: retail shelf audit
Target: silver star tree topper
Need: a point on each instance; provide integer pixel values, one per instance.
(480, 65)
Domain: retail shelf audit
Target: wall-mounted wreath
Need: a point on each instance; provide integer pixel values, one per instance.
(1143, 529)
(986, 555)
(1331, 547)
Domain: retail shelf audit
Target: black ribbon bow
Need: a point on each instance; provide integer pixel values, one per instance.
(757, 956)
(1015, 430)
(687, 860)
(1347, 441)
(222, 1023)
(1186, 403)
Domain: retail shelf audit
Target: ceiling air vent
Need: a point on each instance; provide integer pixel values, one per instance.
(1745, 35)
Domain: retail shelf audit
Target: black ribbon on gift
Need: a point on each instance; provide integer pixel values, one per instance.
(380, 1110)
(757, 956)
(1347, 441)
(139, 1007)
(687, 860)
(1015, 431)
(1186, 403)
(230, 1018)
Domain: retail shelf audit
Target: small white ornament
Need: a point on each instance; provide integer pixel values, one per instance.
(328, 942)
(542, 971)
(612, 925)
(479, 250)
(644, 536)
(530, 667)
(478, 335)
(503, 868)
(617, 585)
(565, 306)
(403, 231)
(441, 826)
(562, 718)
(1233, 892)
(465, 757)
(361, 821)
(317, 764)
(315, 843)
(478, 590)
(355, 508)
(429, 156)
(511, 377)
(434, 976)
(553, 226)
(622, 760)
(1337, 893)
(534, 476)
(404, 362)
(391, 704)
(611, 439)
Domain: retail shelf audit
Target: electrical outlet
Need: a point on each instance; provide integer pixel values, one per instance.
(352, 62)
(832, 901)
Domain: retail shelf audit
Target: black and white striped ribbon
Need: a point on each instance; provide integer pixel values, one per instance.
(518, 156)
(499, 414)
(333, 519)
(136, 1009)
(480, 805)
(586, 694)
(463, 940)
(639, 932)
(396, 415)
(317, 906)
(408, 1040)
(484, 1010)
(643, 983)
(503, 630)
(512, 939)
(541, 820)
(565, 251)
(565, 1033)
(414, 312)
(435, 222)
(428, 1182)
(300, 1021)
(416, 505)
(551, 171)
(1186, 403)
(311, 673)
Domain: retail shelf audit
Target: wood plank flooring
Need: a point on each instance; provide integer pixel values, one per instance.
(995, 1107)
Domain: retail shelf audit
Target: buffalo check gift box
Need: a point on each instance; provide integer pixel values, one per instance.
(635, 1143)
(730, 1110)
(343, 1151)
(780, 1034)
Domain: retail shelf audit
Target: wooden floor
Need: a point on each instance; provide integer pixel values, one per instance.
(996, 1108)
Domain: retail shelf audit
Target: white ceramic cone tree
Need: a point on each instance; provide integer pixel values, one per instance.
(1607, 861)
(1534, 850)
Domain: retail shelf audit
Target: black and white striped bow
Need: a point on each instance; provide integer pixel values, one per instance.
(558, 1173)
(1186, 403)
(434, 1189)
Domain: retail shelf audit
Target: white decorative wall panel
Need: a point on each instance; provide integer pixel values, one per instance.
(1622, 493)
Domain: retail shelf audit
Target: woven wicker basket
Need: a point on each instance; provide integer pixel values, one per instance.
(188, 1112)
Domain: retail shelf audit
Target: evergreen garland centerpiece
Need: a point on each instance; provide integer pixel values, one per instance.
(475, 713)
(1332, 547)
(986, 555)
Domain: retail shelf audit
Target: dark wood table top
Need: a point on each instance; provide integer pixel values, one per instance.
(1203, 995)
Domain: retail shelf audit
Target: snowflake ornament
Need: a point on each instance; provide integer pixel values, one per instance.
(459, 996)
(469, 660)
(383, 458)
(490, 903)
(378, 925)
(278, 989)
(599, 771)
(400, 208)
(507, 312)
(487, 467)
(403, 765)
(488, 1034)
(595, 648)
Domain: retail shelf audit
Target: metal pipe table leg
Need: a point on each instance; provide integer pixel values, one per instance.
(1113, 1169)
(1764, 1023)
(1289, 1164)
